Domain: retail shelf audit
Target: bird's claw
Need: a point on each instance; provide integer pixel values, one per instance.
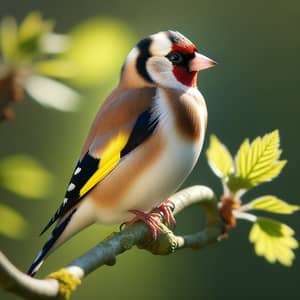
(167, 210)
(152, 219)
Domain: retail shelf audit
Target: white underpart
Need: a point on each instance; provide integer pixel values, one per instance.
(164, 176)
(202, 113)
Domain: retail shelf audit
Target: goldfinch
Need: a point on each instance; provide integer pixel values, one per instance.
(145, 140)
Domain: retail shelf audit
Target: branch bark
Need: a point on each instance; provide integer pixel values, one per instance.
(11, 91)
(63, 282)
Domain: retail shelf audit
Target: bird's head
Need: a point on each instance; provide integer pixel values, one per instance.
(166, 59)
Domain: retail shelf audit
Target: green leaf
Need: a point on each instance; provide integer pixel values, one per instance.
(274, 241)
(219, 158)
(9, 39)
(273, 204)
(236, 183)
(13, 225)
(97, 49)
(25, 176)
(258, 162)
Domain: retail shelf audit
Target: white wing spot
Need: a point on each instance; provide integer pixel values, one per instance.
(38, 256)
(77, 171)
(65, 201)
(37, 267)
(71, 187)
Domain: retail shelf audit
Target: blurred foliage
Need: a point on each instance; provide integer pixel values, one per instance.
(23, 45)
(25, 176)
(255, 164)
(22, 48)
(96, 51)
(52, 93)
(13, 224)
(90, 54)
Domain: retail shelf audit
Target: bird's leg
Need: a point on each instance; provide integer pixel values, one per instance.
(166, 208)
(151, 220)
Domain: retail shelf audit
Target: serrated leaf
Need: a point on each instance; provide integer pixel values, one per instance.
(219, 158)
(273, 204)
(258, 162)
(13, 225)
(273, 240)
(24, 176)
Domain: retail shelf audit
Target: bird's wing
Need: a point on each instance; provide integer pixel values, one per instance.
(119, 128)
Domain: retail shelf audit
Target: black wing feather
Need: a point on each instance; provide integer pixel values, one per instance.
(83, 171)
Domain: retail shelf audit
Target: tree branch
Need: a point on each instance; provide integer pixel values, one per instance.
(64, 281)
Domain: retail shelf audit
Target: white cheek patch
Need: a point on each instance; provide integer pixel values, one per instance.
(161, 45)
(161, 71)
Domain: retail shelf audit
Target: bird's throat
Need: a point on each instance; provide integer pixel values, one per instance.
(184, 76)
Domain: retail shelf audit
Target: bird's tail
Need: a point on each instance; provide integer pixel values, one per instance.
(51, 243)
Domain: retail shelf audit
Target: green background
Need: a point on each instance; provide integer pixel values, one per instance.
(254, 89)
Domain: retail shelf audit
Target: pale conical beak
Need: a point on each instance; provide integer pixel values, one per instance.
(201, 62)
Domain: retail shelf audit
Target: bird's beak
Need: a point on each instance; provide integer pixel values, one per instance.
(201, 62)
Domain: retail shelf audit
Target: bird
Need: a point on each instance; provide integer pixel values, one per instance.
(145, 140)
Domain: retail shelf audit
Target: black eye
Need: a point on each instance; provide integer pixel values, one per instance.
(175, 57)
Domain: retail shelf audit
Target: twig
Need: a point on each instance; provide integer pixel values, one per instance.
(11, 91)
(105, 252)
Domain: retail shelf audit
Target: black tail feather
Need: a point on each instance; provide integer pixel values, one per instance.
(56, 233)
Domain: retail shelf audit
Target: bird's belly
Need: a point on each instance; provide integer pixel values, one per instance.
(163, 177)
(146, 177)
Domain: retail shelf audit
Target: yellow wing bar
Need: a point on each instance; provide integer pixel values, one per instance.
(109, 158)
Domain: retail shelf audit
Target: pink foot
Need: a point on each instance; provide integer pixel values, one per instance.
(151, 220)
(166, 209)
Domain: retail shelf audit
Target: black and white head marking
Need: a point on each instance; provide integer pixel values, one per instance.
(144, 54)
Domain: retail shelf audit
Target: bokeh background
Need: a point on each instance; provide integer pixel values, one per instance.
(254, 89)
